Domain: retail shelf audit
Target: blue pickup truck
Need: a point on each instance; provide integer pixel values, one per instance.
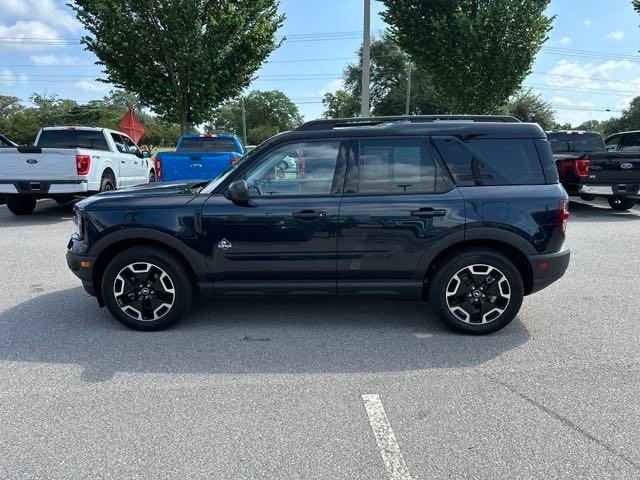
(199, 156)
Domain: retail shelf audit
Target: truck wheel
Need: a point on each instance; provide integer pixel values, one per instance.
(147, 288)
(63, 200)
(107, 184)
(478, 291)
(152, 177)
(587, 197)
(21, 204)
(621, 203)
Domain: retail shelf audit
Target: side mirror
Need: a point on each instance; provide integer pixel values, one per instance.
(238, 192)
(146, 154)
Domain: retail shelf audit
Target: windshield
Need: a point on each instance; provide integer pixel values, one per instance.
(207, 144)
(575, 142)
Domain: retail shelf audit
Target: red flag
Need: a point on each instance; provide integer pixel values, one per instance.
(131, 126)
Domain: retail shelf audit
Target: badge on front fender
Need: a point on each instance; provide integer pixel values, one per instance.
(224, 244)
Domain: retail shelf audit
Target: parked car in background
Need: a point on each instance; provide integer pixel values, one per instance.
(199, 156)
(467, 213)
(6, 143)
(68, 161)
(590, 167)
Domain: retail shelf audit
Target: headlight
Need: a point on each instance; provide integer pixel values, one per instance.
(78, 220)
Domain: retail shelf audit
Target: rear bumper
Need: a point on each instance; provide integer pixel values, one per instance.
(548, 268)
(622, 190)
(43, 187)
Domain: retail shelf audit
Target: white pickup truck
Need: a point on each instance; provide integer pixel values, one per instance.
(69, 161)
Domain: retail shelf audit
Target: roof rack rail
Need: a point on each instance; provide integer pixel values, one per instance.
(330, 124)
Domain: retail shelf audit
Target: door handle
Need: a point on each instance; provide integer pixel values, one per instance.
(429, 212)
(122, 161)
(309, 214)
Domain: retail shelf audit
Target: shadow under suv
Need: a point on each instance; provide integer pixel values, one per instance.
(464, 211)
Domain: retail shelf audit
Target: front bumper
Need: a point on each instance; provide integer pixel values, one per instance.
(78, 261)
(548, 268)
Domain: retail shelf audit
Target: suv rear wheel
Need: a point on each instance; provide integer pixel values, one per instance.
(478, 291)
(21, 204)
(147, 288)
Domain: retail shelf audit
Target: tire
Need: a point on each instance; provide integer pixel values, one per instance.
(107, 183)
(587, 198)
(21, 204)
(621, 203)
(63, 200)
(152, 177)
(451, 284)
(166, 286)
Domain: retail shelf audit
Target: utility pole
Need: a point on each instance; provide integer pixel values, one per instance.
(244, 122)
(407, 107)
(366, 59)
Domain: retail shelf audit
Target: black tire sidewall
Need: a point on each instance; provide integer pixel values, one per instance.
(21, 204)
(625, 203)
(107, 181)
(163, 259)
(446, 270)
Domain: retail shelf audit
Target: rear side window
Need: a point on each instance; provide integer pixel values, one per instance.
(631, 143)
(562, 142)
(397, 165)
(492, 161)
(73, 139)
(207, 144)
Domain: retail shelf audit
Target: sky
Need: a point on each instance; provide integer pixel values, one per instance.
(588, 69)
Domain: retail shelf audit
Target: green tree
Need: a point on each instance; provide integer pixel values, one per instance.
(531, 107)
(388, 87)
(340, 104)
(9, 105)
(267, 113)
(181, 57)
(477, 52)
(590, 125)
(628, 120)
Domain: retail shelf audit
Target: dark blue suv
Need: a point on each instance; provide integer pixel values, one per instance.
(466, 212)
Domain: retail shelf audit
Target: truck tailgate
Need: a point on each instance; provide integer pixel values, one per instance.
(48, 164)
(609, 168)
(193, 166)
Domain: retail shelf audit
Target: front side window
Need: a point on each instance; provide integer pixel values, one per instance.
(130, 147)
(395, 165)
(305, 168)
(492, 161)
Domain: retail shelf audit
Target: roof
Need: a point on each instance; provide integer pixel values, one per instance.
(440, 128)
(329, 124)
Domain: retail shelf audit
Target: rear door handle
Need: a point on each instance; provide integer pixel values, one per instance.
(309, 214)
(122, 161)
(429, 212)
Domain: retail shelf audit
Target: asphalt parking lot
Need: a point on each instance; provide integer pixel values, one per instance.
(283, 390)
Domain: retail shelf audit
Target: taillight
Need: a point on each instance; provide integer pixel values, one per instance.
(157, 166)
(83, 164)
(582, 167)
(563, 215)
(233, 159)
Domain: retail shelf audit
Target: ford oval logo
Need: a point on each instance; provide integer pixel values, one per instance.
(32, 161)
(626, 166)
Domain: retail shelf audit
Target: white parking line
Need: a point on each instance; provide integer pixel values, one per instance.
(385, 438)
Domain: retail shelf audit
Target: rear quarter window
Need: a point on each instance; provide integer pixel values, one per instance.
(492, 161)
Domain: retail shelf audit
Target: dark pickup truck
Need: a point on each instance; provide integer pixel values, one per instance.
(591, 167)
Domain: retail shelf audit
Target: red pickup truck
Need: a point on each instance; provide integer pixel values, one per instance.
(591, 167)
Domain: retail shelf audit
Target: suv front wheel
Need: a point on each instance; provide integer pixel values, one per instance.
(478, 291)
(147, 288)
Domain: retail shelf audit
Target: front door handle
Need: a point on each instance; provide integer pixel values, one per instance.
(122, 161)
(429, 212)
(309, 214)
